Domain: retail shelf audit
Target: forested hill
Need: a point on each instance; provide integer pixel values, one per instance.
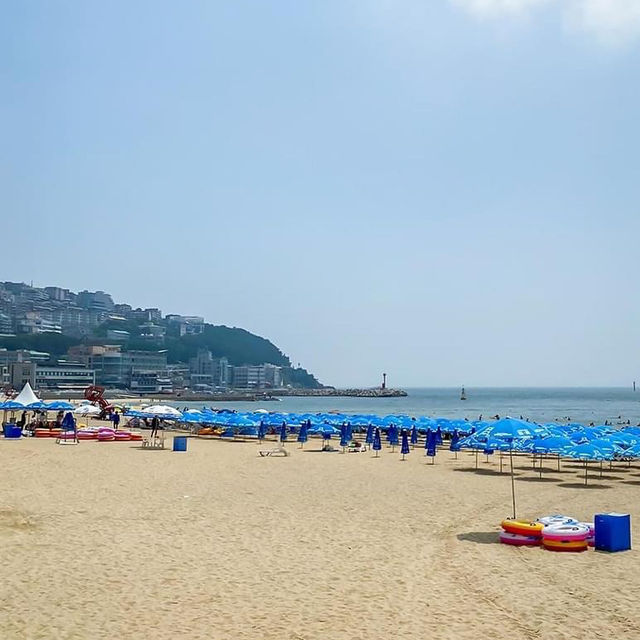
(238, 345)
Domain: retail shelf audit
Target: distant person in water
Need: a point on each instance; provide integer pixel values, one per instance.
(497, 416)
(480, 418)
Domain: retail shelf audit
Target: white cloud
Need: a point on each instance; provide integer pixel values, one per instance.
(495, 8)
(612, 22)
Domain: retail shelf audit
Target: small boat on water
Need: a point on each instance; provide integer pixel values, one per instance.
(463, 395)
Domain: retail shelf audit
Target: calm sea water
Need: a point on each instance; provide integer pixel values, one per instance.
(583, 405)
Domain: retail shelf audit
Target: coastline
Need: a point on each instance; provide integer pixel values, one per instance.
(239, 396)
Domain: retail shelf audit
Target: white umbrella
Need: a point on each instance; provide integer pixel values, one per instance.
(87, 410)
(162, 411)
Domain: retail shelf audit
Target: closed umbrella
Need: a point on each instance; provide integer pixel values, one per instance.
(262, 430)
(377, 442)
(454, 444)
(283, 432)
(344, 441)
(414, 435)
(430, 445)
(392, 436)
(302, 434)
(369, 437)
(405, 444)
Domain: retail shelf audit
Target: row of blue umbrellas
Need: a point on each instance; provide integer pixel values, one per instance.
(40, 405)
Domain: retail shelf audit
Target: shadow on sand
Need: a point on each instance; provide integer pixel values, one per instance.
(582, 485)
(485, 472)
(538, 479)
(479, 537)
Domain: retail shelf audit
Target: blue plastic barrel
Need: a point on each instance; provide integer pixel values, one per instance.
(11, 431)
(179, 443)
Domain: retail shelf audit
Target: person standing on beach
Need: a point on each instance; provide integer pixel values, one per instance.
(116, 420)
(154, 426)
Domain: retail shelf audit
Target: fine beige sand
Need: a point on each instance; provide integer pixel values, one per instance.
(106, 540)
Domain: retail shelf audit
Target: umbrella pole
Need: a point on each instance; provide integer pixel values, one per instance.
(585, 473)
(476, 458)
(601, 468)
(558, 462)
(513, 483)
(541, 460)
(500, 461)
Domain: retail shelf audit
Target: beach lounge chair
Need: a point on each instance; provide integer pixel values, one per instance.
(276, 451)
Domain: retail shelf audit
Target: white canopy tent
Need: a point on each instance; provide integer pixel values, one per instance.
(26, 396)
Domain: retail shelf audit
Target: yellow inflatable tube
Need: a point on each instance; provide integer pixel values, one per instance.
(523, 527)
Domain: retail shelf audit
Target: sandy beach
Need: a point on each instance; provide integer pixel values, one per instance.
(106, 540)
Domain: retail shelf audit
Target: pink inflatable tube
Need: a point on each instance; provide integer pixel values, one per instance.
(518, 540)
(565, 532)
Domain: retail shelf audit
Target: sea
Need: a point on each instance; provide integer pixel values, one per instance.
(581, 405)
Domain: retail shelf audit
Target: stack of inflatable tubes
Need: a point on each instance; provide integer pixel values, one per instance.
(521, 533)
(67, 435)
(106, 435)
(556, 519)
(591, 538)
(43, 433)
(122, 436)
(565, 537)
(86, 434)
(136, 437)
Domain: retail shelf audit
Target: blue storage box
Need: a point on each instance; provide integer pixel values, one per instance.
(613, 531)
(180, 443)
(11, 431)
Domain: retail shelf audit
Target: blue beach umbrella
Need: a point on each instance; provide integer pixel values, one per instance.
(377, 442)
(405, 444)
(414, 435)
(588, 452)
(454, 445)
(302, 434)
(510, 430)
(344, 441)
(369, 437)
(392, 436)
(430, 445)
(59, 405)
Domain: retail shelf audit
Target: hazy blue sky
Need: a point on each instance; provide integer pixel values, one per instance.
(445, 190)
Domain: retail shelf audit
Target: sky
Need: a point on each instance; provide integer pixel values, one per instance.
(445, 191)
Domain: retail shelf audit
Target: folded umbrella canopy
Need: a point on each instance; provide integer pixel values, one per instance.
(405, 443)
(302, 434)
(377, 441)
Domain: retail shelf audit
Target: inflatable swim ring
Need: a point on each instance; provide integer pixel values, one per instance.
(565, 532)
(523, 527)
(556, 519)
(557, 545)
(43, 433)
(518, 540)
(591, 538)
